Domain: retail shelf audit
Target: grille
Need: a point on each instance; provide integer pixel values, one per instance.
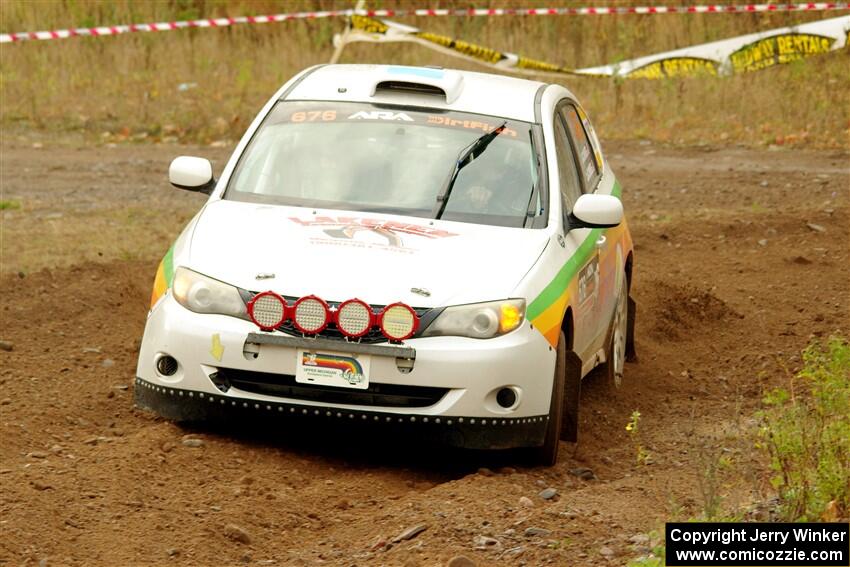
(285, 386)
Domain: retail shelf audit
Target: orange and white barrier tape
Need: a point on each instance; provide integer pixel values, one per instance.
(386, 13)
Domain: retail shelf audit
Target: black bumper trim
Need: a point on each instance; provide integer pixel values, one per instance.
(468, 432)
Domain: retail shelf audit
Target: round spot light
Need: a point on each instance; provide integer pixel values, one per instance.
(354, 318)
(398, 321)
(267, 310)
(311, 314)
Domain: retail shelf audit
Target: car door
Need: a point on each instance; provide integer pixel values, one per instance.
(573, 244)
(594, 278)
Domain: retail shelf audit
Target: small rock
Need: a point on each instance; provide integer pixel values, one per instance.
(801, 260)
(107, 363)
(537, 532)
(815, 227)
(583, 473)
(548, 493)
(607, 551)
(95, 350)
(5, 401)
(526, 502)
(763, 242)
(91, 441)
(172, 552)
(379, 543)
(507, 470)
(37, 455)
(234, 532)
(121, 387)
(484, 542)
(764, 183)
(38, 485)
(56, 449)
(7, 345)
(484, 471)
(639, 539)
(460, 561)
(192, 442)
(410, 533)
(607, 460)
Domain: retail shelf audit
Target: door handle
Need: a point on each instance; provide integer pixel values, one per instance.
(600, 242)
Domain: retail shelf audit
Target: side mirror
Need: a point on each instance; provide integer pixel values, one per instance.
(192, 174)
(596, 211)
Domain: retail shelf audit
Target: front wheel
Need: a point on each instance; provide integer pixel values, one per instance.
(547, 454)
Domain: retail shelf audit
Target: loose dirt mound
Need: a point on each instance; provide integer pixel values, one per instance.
(85, 479)
(678, 309)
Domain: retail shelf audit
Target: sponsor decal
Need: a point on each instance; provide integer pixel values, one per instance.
(675, 67)
(318, 365)
(389, 226)
(380, 115)
(779, 49)
(366, 233)
(469, 124)
(588, 281)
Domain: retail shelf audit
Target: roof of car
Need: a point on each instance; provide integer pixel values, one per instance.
(466, 91)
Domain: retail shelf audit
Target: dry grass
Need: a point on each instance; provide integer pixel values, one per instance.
(128, 87)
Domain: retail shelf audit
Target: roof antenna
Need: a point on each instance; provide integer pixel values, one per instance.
(340, 45)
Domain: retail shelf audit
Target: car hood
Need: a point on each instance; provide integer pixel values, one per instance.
(381, 259)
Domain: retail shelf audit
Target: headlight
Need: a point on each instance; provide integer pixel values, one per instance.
(202, 294)
(478, 320)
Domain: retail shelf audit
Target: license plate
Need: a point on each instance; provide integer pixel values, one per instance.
(345, 370)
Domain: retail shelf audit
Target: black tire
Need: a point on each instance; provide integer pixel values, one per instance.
(617, 338)
(572, 395)
(547, 454)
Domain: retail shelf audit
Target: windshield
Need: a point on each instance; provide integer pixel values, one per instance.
(363, 157)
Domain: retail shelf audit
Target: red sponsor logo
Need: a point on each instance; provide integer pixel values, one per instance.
(353, 223)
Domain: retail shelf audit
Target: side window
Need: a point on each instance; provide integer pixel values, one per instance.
(586, 155)
(567, 172)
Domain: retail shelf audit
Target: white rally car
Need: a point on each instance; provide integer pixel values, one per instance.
(398, 245)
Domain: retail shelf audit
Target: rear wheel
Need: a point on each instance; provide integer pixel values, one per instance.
(615, 352)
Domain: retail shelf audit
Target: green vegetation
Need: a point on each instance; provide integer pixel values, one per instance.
(205, 85)
(805, 427)
(9, 205)
(633, 427)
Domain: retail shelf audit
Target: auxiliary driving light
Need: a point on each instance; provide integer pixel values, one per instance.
(311, 314)
(398, 321)
(267, 310)
(354, 318)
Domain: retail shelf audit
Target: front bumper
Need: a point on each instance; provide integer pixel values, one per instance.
(466, 373)
(465, 432)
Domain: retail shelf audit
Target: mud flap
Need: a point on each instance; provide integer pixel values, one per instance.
(631, 352)
(572, 395)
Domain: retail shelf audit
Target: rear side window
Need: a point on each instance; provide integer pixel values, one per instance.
(567, 172)
(586, 156)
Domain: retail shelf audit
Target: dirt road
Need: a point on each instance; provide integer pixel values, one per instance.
(741, 257)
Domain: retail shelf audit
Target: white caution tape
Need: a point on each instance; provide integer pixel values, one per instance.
(423, 12)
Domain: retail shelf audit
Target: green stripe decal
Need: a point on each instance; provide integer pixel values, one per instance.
(557, 286)
(168, 266)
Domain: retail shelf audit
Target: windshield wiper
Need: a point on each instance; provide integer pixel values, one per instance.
(464, 158)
